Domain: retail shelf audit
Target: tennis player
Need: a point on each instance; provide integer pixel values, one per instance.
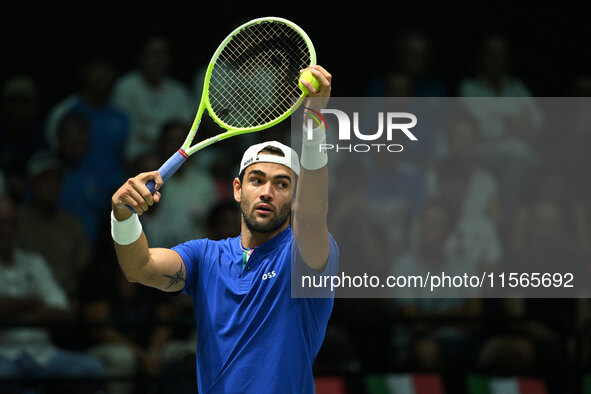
(253, 337)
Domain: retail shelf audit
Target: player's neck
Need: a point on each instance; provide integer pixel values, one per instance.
(252, 239)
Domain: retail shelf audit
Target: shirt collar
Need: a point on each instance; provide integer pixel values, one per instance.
(273, 242)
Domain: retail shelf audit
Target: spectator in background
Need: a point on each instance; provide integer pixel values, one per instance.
(223, 221)
(126, 324)
(493, 77)
(552, 185)
(167, 228)
(107, 126)
(217, 159)
(357, 230)
(411, 53)
(399, 84)
(471, 193)
(363, 242)
(191, 187)
(507, 124)
(81, 191)
(124, 327)
(435, 345)
(537, 339)
(566, 153)
(406, 74)
(21, 133)
(45, 228)
(29, 295)
(481, 196)
(394, 203)
(474, 238)
(550, 241)
(431, 112)
(151, 97)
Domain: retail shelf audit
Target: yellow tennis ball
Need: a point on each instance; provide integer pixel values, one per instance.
(308, 76)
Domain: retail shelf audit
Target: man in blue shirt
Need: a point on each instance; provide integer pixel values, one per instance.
(253, 336)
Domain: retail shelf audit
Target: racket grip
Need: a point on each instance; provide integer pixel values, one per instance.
(166, 170)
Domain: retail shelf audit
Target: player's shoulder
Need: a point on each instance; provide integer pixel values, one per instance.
(218, 243)
(207, 244)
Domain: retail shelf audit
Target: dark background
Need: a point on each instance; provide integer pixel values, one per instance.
(549, 45)
(549, 42)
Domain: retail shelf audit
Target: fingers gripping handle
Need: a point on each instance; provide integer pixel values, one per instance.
(167, 170)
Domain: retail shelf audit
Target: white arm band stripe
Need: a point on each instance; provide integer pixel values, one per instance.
(127, 231)
(314, 155)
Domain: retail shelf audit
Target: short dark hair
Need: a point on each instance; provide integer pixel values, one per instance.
(269, 149)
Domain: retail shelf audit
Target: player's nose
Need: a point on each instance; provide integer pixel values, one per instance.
(266, 191)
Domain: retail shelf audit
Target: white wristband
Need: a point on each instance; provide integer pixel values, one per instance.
(127, 231)
(314, 154)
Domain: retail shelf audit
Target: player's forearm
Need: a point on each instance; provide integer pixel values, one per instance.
(311, 209)
(134, 258)
(131, 244)
(156, 267)
(311, 201)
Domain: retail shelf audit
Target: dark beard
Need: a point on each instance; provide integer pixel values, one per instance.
(274, 224)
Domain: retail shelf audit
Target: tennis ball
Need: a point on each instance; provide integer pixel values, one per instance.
(308, 76)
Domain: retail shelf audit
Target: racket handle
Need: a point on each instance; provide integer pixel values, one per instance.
(166, 170)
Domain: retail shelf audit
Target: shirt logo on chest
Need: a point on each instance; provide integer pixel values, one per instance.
(269, 275)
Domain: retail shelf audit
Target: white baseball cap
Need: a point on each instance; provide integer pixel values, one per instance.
(290, 158)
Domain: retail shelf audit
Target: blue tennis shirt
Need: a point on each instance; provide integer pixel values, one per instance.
(252, 336)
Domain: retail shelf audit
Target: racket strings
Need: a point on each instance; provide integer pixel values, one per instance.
(266, 97)
(255, 78)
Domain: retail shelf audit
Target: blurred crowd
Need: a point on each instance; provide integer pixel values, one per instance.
(65, 306)
(493, 189)
(499, 186)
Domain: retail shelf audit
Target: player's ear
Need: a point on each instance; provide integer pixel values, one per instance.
(237, 186)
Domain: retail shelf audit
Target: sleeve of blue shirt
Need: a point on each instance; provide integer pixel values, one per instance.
(192, 254)
(300, 269)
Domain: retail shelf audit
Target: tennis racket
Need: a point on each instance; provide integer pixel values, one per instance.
(251, 84)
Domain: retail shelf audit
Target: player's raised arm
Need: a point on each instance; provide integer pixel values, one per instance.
(156, 267)
(311, 200)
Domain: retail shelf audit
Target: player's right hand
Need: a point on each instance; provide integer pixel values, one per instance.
(135, 194)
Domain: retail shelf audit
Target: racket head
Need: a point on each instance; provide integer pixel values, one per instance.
(251, 82)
